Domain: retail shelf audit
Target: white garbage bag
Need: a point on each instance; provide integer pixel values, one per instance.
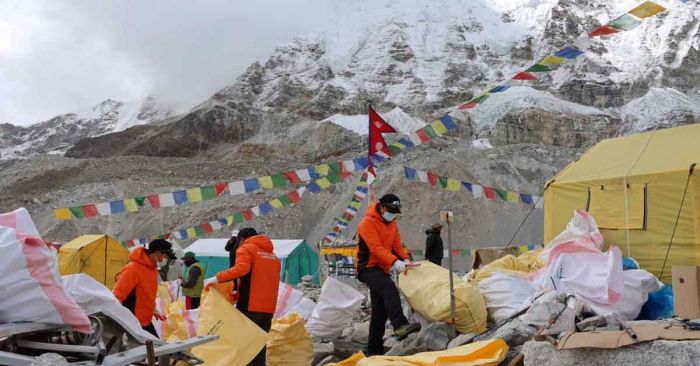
(505, 294)
(287, 298)
(336, 307)
(575, 263)
(93, 297)
(304, 308)
(638, 285)
(29, 273)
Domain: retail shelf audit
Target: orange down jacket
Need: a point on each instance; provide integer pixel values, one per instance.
(137, 286)
(379, 242)
(258, 268)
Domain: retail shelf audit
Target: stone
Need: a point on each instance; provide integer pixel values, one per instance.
(328, 360)
(591, 323)
(655, 353)
(461, 339)
(434, 337)
(322, 351)
(49, 359)
(514, 333)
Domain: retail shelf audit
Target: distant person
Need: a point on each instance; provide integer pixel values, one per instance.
(231, 246)
(258, 269)
(379, 252)
(193, 283)
(434, 250)
(137, 283)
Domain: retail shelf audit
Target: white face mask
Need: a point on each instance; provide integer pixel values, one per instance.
(388, 216)
(163, 263)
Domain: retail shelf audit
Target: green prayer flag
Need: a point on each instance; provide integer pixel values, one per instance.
(279, 180)
(285, 200)
(140, 201)
(208, 193)
(538, 68)
(394, 150)
(443, 181)
(430, 131)
(481, 98)
(77, 212)
(199, 230)
(238, 218)
(502, 194)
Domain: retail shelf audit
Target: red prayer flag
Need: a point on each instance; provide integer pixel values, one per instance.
(603, 30)
(292, 177)
(524, 75)
(130, 243)
(432, 178)
(247, 214)
(207, 228)
(90, 210)
(168, 235)
(154, 200)
(219, 187)
(294, 196)
(423, 135)
(468, 105)
(455, 251)
(336, 229)
(490, 193)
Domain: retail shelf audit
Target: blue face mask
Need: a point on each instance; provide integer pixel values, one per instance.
(388, 216)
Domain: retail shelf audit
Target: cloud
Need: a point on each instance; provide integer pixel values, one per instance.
(58, 56)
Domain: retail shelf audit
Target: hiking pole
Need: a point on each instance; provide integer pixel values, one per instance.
(446, 216)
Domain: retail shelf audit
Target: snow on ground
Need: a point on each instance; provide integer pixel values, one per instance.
(397, 118)
(659, 107)
(522, 97)
(482, 143)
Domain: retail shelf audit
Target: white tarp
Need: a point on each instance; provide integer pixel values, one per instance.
(505, 293)
(291, 300)
(31, 285)
(337, 305)
(216, 247)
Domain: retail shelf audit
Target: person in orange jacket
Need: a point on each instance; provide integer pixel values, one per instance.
(137, 283)
(258, 269)
(379, 251)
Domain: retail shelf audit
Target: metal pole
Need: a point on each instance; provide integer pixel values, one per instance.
(452, 287)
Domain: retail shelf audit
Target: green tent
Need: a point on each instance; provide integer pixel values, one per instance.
(297, 257)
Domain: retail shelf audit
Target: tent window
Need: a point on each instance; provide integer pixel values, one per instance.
(607, 205)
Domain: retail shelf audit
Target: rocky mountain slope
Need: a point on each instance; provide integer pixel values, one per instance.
(414, 60)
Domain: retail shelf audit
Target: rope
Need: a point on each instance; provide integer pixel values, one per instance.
(524, 220)
(680, 209)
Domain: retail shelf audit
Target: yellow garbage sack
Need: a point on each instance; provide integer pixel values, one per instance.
(522, 265)
(239, 338)
(180, 324)
(427, 290)
(484, 353)
(290, 343)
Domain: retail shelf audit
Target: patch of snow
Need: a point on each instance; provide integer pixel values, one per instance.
(359, 123)
(660, 107)
(522, 97)
(481, 144)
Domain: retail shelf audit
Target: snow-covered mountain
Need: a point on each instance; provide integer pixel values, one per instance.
(425, 57)
(58, 134)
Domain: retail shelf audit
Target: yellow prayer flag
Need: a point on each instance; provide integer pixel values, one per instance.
(194, 195)
(322, 169)
(647, 9)
(131, 205)
(398, 145)
(552, 60)
(439, 127)
(453, 185)
(229, 220)
(276, 203)
(191, 232)
(323, 183)
(266, 182)
(62, 213)
(513, 196)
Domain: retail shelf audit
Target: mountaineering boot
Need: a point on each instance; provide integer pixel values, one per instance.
(406, 329)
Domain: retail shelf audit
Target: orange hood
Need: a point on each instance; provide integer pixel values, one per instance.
(139, 256)
(262, 242)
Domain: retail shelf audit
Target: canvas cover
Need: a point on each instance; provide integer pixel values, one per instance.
(634, 185)
(98, 256)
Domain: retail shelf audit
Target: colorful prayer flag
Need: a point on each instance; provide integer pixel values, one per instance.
(646, 10)
(251, 185)
(117, 206)
(62, 213)
(538, 68)
(180, 197)
(524, 75)
(266, 182)
(103, 208)
(552, 60)
(194, 195)
(603, 30)
(154, 200)
(625, 22)
(569, 53)
(266, 208)
(208, 193)
(131, 205)
(409, 172)
(292, 177)
(448, 122)
(452, 185)
(276, 203)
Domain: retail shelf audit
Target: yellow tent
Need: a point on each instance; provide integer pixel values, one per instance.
(99, 256)
(634, 186)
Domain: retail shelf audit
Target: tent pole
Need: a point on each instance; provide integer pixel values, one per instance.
(105, 270)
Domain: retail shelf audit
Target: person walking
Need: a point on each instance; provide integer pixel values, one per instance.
(434, 250)
(193, 284)
(137, 283)
(258, 269)
(379, 252)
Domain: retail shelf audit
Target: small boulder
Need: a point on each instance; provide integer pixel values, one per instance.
(434, 337)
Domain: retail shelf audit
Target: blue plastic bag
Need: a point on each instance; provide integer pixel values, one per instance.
(659, 305)
(629, 263)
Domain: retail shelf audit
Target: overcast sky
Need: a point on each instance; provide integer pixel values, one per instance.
(59, 56)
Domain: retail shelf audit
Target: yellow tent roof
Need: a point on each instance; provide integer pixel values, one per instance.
(666, 150)
(82, 241)
(102, 257)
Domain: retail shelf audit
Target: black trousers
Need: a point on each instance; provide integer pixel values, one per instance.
(150, 329)
(386, 304)
(264, 321)
(437, 261)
